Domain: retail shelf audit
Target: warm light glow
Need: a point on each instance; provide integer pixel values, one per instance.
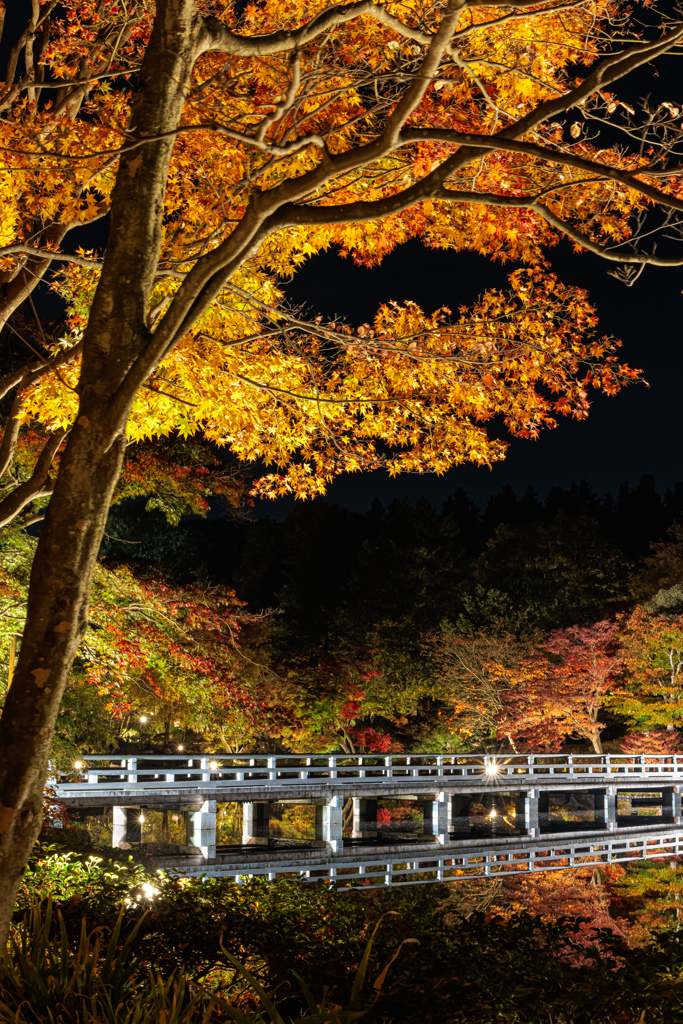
(492, 769)
(213, 765)
(149, 890)
(143, 718)
(494, 813)
(141, 818)
(180, 746)
(78, 765)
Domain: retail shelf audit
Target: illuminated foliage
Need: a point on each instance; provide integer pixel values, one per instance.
(653, 658)
(659, 741)
(559, 691)
(155, 648)
(410, 391)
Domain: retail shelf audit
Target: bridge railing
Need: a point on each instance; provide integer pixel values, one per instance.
(385, 868)
(285, 770)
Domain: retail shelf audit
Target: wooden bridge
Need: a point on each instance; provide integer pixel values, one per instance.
(480, 815)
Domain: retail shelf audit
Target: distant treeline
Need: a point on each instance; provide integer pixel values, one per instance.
(549, 563)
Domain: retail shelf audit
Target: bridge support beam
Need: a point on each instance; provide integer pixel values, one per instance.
(328, 823)
(527, 817)
(436, 816)
(127, 827)
(201, 828)
(256, 823)
(364, 818)
(606, 807)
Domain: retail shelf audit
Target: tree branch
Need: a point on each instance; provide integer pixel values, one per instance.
(47, 254)
(37, 486)
(214, 35)
(28, 375)
(494, 143)
(10, 436)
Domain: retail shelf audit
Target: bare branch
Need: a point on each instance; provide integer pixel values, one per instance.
(37, 486)
(10, 436)
(48, 254)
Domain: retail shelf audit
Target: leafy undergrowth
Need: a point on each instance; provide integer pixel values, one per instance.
(211, 951)
(51, 975)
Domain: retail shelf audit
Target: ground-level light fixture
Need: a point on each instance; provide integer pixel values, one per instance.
(78, 765)
(180, 746)
(492, 769)
(214, 765)
(143, 718)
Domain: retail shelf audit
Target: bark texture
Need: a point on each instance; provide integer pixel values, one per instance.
(115, 363)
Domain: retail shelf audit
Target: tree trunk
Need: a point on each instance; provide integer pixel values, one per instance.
(116, 361)
(597, 742)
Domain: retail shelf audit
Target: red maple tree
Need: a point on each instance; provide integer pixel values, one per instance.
(559, 691)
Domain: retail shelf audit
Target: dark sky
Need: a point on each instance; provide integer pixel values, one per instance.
(638, 431)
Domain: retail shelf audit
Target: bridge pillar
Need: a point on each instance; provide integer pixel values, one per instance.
(527, 812)
(328, 823)
(256, 823)
(364, 817)
(436, 815)
(201, 828)
(671, 803)
(127, 825)
(606, 807)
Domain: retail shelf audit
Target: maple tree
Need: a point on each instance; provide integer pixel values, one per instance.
(560, 690)
(181, 477)
(658, 741)
(473, 694)
(253, 137)
(177, 476)
(170, 653)
(652, 694)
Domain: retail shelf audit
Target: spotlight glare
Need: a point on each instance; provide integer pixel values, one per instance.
(78, 765)
(180, 746)
(492, 769)
(143, 718)
(213, 765)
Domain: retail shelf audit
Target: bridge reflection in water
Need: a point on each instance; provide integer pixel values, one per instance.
(385, 819)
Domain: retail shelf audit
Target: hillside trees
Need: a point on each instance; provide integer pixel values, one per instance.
(560, 690)
(250, 139)
(541, 575)
(653, 657)
(467, 669)
(529, 694)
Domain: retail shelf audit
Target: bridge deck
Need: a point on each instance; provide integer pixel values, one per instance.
(450, 844)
